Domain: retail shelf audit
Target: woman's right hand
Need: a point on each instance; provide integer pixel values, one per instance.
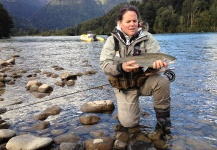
(130, 66)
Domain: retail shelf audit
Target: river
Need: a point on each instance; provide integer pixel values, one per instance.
(193, 93)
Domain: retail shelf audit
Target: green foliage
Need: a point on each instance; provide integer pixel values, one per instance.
(6, 23)
(163, 16)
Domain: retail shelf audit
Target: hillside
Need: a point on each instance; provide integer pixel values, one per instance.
(22, 10)
(60, 14)
(56, 14)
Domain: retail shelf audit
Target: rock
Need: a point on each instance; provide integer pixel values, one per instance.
(99, 133)
(160, 144)
(4, 63)
(32, 83)
(54, 75)
(68, 137)
(140, 145)
(45, 88)
(58, 68)
(60, 83)
(120, 145)
(70, 82)
(16, 55)
(53, 110)
(31, 75)
(37, 71)
(41, 126)
(11, 83)
(6, 134)
(68, 76)
(71, 146)
(57, 132)
(3, 110)
(79, 74)
(89, 119)
(42, 116)
(39, 95)
(103, 143)
(90, 72)
(155, 135)
(4, 125)
(142, 137)
(27, 142)
(22, 71)
(122, 136)
(98, 106)
(11, 61)
(2, 84)
(33, 88)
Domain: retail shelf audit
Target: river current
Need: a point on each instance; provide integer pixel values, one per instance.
(193, 93)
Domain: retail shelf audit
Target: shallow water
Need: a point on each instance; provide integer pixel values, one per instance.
(193, 93)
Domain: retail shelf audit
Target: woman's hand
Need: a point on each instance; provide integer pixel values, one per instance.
(158, 64)
(130, 66)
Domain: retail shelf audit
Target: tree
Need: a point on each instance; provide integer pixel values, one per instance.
(166, 20)
(213, 13)
(6, 23)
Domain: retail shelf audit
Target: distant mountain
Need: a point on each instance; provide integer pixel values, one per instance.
(22, 10)
(59, 14)
(56, 14)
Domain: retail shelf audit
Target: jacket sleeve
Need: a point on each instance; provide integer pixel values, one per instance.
(106, 58)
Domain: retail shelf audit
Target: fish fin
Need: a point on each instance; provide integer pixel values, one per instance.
(116, 59)
(144, 68)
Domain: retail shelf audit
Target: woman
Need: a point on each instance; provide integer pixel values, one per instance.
(129, 40)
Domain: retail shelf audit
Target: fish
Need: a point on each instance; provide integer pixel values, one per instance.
(146, 60)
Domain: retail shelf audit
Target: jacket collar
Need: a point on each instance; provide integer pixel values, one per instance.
(124, 38)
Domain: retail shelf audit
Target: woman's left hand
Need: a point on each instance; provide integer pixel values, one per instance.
(158, 64)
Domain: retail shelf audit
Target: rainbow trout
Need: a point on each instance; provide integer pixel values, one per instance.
(146, 60)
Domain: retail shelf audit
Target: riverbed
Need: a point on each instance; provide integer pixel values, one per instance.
(193, 93)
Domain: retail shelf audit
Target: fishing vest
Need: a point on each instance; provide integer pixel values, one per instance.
(128, 80)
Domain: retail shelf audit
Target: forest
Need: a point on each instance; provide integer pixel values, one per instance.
(6, 23)
(163, 16)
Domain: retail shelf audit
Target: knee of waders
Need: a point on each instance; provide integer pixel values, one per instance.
(163, 81)
(128, 122)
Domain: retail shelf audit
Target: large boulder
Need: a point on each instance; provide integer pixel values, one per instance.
(98, 106)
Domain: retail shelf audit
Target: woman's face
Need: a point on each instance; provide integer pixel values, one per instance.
(129, 23)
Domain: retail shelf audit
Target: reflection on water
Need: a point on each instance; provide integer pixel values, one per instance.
(193, 93)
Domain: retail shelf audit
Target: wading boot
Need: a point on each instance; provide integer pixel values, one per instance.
(164, 124)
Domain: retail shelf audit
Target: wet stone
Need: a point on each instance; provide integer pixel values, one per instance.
(53, 110)
(71, 146)
(68, 137)
(120, 145)
(99, 133)
(42, 116)
(41, 126)
(98, 106)
(122, 136)
(70, 82)
(60, 83)
(2, 110)
(27, 141)
(6, 133)
(103, 143)
(89, 119)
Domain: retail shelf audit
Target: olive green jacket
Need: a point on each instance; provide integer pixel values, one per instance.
(148, 44)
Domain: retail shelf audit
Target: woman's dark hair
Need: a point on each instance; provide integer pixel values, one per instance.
(125, 8)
